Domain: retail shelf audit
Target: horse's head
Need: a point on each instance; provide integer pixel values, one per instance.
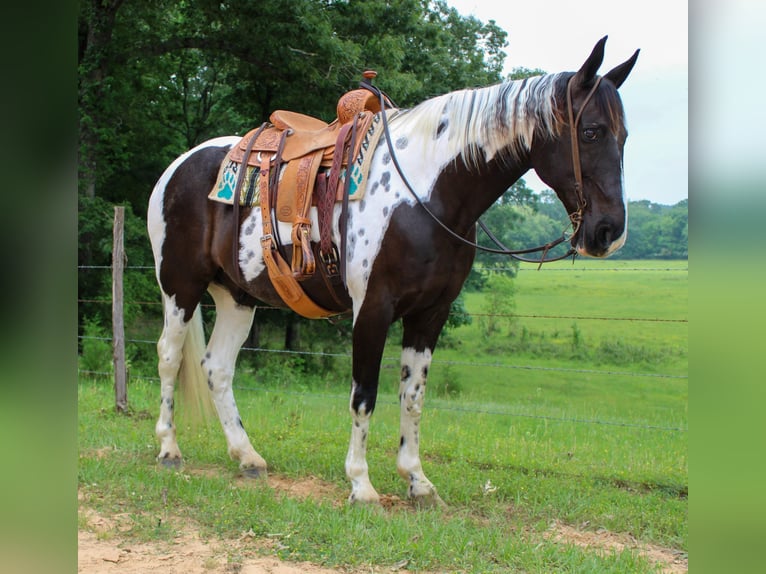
(583, 162)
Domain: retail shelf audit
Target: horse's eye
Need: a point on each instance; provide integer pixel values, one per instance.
(590, 134)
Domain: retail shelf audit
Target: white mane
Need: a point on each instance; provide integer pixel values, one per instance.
(481, 123)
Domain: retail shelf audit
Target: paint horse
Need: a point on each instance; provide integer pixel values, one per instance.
(409, 242)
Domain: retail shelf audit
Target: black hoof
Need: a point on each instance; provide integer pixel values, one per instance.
(428, 501)
(171, 463)
(254, 472)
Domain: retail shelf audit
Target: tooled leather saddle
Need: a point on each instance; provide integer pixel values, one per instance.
(303, 161)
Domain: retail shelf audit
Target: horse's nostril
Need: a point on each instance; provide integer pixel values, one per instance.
(604, 235)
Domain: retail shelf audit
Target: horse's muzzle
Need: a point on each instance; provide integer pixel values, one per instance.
(601, 239)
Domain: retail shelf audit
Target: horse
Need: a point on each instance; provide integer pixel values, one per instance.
(409, 249)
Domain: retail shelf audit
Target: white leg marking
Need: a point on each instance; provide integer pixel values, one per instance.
(169, 348)
(232, 325)
(412, 390)
(356, 459)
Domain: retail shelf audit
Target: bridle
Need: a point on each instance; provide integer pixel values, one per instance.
(576, 217)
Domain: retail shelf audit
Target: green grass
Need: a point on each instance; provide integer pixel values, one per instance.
(569, 433)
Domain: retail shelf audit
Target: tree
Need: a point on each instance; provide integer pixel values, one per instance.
(656, 231)
(421, 48)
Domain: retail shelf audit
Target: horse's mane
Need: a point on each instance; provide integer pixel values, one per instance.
(501, 120)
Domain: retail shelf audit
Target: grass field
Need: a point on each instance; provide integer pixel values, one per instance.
(531, 424)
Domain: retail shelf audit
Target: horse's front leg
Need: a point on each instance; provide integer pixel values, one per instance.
(369, 338)
(419, 339)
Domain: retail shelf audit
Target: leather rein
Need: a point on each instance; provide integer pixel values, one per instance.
(576, 217)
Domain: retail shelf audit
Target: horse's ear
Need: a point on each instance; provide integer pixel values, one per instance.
(618, 74)
(586, 75)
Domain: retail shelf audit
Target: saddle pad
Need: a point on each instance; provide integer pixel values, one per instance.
(223, 189)
(226, 182)
(361, 166)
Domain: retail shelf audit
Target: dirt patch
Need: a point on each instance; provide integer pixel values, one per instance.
(103, 548)
(671, 561)
(310, 487)
(300, 488)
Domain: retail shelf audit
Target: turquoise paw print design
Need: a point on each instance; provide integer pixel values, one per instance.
(228, 182)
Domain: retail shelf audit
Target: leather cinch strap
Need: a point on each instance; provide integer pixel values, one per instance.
(280, 273)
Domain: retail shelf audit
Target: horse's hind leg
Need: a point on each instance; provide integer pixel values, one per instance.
(232, 325)
(169, 352)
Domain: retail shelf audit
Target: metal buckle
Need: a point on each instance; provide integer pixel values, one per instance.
(259, 157)
(330, 261)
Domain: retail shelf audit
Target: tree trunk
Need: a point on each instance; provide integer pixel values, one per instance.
(254, 338)
(292, 334)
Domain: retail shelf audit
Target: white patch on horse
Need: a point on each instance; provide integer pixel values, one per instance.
(356, 459)
(250, 253)
(475, 124)
(620, 241)
(412, 390)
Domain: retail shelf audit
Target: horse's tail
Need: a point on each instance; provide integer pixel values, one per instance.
(193, 389)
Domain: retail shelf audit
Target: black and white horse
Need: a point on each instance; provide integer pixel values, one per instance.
(459, 152)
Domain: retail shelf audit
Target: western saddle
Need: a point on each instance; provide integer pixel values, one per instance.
(301, 160)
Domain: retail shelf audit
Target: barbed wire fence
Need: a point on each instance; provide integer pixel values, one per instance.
(120, 374)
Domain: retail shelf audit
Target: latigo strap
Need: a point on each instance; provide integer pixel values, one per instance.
(280, 273)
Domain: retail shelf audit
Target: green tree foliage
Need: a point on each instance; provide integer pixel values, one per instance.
(156, 78)
(424, 48)
(657, 231)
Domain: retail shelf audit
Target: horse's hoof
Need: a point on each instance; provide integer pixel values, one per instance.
(371, 501)
(427, 501)
(172, 463)
(254, 472)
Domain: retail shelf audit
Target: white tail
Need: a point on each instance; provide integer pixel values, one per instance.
(193, 389)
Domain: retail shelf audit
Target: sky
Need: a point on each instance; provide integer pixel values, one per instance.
(729, 81)
(558, 35)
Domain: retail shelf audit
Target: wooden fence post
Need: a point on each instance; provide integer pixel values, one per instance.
(118, 319)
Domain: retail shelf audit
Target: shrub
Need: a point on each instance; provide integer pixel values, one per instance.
(96, 354)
